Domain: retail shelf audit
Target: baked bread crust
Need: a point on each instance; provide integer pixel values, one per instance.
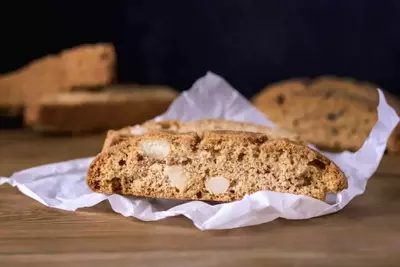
(114, 136)
(333, 113)
(211, 166)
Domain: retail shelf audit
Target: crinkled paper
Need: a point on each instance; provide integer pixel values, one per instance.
(63, 186)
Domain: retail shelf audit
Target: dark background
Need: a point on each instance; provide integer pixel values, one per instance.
(250, 43)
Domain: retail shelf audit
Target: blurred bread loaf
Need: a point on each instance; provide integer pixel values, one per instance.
(88, 111)
(335, 114)
(82, 66)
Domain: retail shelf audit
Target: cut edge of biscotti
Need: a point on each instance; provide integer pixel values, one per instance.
(219, 166)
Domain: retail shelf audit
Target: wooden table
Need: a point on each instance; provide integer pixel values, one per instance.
(365, 233)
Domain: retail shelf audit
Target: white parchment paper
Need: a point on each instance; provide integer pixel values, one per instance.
(63, 186)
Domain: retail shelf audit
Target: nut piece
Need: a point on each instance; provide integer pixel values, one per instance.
(138, 130)
(217, 185)
(177, 177)
(157, 149)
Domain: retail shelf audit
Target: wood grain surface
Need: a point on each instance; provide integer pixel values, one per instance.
(365, 233)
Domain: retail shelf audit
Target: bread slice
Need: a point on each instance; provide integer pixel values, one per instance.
(90, 111)
(89, 65)
(199, 126)
(212, 166)
(333, 113)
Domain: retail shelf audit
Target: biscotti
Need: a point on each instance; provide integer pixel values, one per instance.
(212, 166)
(199, 126)
(25, 84)
(335, 114)
(89, 66)
(83, 66)
(89, 111)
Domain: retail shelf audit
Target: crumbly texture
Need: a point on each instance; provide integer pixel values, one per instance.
(212, 166)
(82, 66)
(81, 112)
(199, 126)
(333, 113)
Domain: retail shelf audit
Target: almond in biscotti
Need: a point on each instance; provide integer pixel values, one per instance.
(157, 149)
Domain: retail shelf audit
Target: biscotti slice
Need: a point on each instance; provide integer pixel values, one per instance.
(90, 111)
(89, 65)
(212, 166)
(199, 126)
(29, 82)
(335, 114)
(82, 66)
